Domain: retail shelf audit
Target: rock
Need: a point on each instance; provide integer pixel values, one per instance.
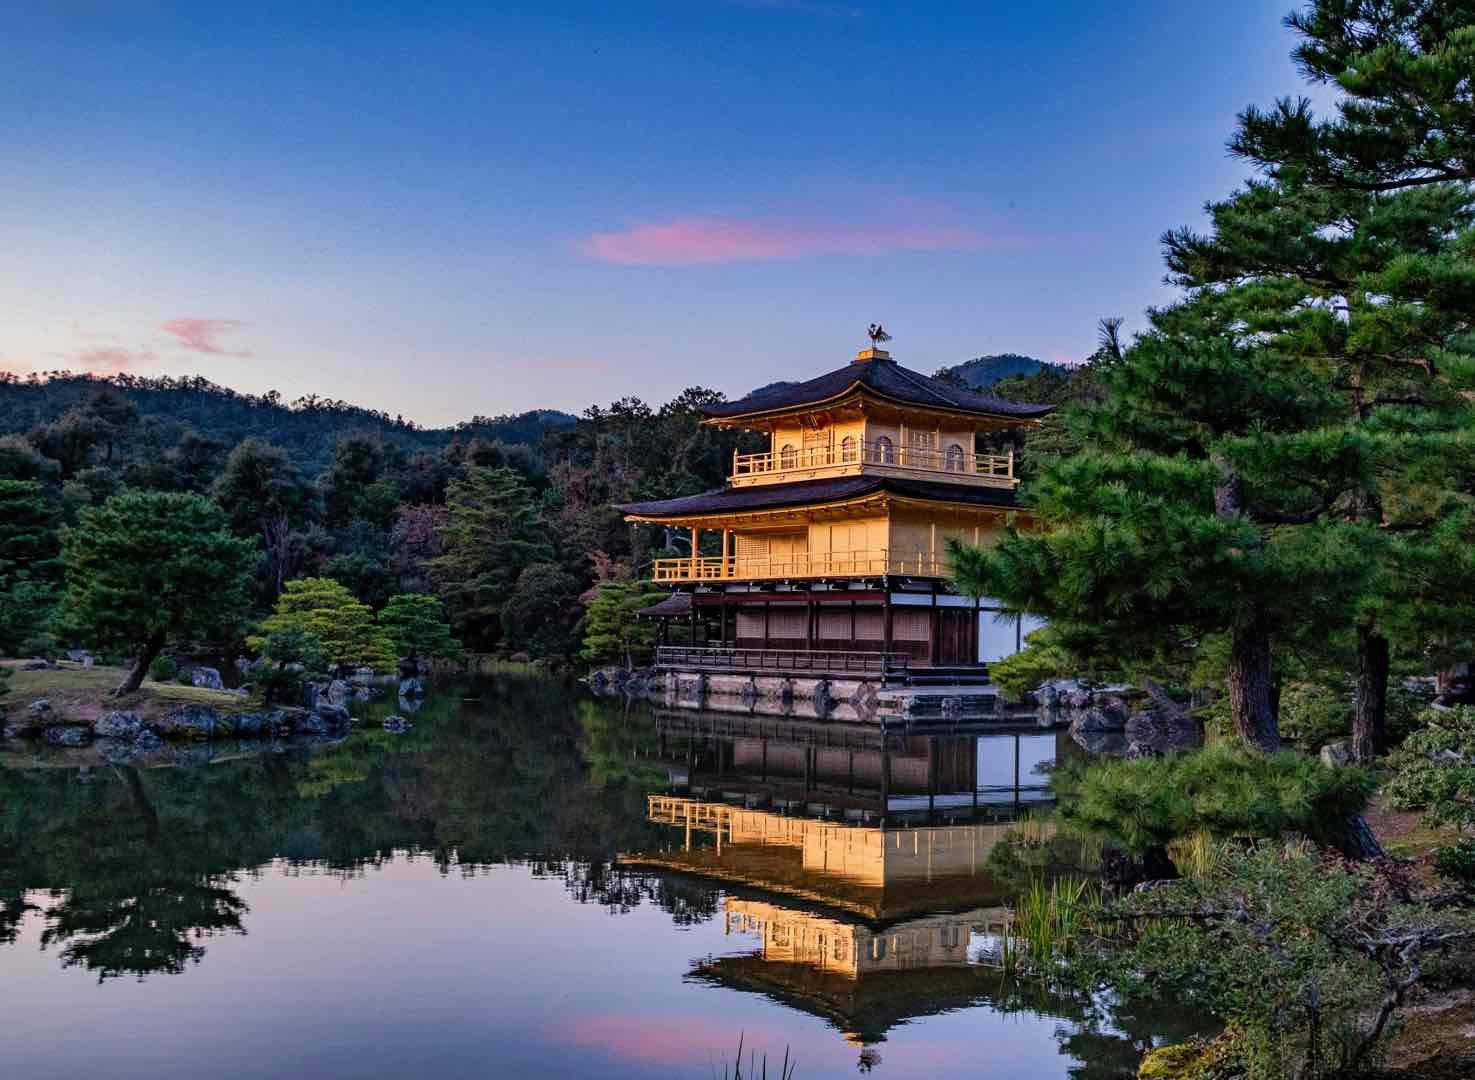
(21, 727)
(338, 691)
(147, 746)
(397, 724)
(206, 678)
(1337, 755)
(78, 656)
(37, 665)
(87, 663)
(411, 687)
(187, 722)
(367, 693)
(67, 735)
(119, 725)
(242, 664)
(520, 658)
(363, 676)
(1154, 732)
(40, 707)
(410, 705)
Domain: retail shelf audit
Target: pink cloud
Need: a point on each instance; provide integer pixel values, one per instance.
(699, 240)
(112, 359)
(200, 334)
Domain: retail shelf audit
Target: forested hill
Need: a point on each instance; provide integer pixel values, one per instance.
(983, 371)
(308, 429)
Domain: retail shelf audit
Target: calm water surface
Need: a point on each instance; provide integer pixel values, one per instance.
(531, 884)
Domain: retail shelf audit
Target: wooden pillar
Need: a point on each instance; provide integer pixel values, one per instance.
(695, 539)
(934, 646)
(886, 620)
(726, 552)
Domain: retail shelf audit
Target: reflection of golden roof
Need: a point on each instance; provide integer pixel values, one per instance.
(874, 871)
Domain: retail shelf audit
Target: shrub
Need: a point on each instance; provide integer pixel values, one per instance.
(1041, 660)
(1434, 770)
(1312, 714)
(1221, 790)
(163, 669)
(1457, 862)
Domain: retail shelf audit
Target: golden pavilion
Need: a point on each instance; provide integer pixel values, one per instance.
(834, 540)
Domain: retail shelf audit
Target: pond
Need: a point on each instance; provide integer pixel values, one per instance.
(530, 883)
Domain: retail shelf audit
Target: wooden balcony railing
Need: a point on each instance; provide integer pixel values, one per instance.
(992, 470)
(804, 564)
(893, 665)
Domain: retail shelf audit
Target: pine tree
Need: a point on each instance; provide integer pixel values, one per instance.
(344, 630)
(416, 625)
(30, 541)
(612, 633)
(1353, 255)
(489, 536)
(146, 568)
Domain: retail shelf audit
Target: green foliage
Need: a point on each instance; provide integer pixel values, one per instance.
(1313, 715)
(1434, 770)
(1041, 660)
(543, 611)
(146, 568)
(1220, 790)
(416, 625)
(343, 629)
(612, 633)
(1296, 951)
(489, 536)
(290, 655)
(1457, 861)
(164, 669)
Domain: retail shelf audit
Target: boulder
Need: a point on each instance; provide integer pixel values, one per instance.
(119, 725)
(367, 693)
(78, 656)
(363, 676)
(206, 678)
(411, 687)
(148, 747)
(67, 735)
(520, 658)
(37, 665)
(397, 724)
(410, 705)
(1154, 732)
(40, 707)
(338, 691)
(187, 722)
(1337, 755)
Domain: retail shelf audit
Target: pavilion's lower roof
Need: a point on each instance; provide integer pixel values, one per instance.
(816, 493)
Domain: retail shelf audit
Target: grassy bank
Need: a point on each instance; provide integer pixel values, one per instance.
(83, 694)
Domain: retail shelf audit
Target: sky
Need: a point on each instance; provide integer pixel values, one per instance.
(448, 208)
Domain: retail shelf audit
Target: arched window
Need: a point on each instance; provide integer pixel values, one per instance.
(847, 448)
(885, 451)
(788, 457)
(954, 458)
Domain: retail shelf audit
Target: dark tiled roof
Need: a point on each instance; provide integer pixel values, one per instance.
(884, 377)
(736, 500)
(678, 603)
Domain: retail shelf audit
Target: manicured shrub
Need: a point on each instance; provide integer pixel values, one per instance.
(1457, 862)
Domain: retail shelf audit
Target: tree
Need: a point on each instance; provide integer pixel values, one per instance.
(146, 568)
(30, 541)
(266, 497)
(343, 628)
(488, 538)
(360, 482)
(1162, 536)
(19, 460)
(541, 612)
(1351, 255)
(416, 625)
(289, 654)
(612, 633)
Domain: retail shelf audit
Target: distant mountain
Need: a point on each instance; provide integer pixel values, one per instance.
(308, 429)
(982, 372)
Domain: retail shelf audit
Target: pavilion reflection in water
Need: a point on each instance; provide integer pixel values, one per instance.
(856, 859)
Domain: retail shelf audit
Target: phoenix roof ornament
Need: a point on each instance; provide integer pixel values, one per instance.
(877, 334)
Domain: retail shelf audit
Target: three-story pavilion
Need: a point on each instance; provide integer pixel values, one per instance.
(835, 538)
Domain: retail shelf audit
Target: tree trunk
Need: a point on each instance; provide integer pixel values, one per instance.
(1250, 678)
(146, 656)
(1370, 718)
(1251, 687)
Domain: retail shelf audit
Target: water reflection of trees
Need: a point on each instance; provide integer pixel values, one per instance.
(142, 864)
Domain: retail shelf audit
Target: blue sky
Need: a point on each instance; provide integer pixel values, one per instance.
(448, 208)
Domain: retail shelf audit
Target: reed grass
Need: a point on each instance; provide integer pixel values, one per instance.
(757, 1067)
(1050, 921)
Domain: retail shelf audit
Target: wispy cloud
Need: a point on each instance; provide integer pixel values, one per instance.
(697, 240)
(200, 334)
(112, 359)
